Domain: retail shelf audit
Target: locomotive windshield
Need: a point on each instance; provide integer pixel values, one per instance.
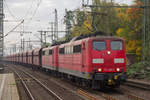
(99, 45)
(116, 45)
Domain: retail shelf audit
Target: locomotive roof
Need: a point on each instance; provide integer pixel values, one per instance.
(48, 48)
(36, 50)
(107, 37)
(92, 38)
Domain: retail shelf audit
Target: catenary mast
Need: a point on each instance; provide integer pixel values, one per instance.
(1, 29)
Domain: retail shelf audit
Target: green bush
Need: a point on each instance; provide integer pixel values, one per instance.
(138, 70)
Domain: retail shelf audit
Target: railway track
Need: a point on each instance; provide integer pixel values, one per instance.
(106, 96)
(25, 86)
(121, 94)
(137, 84)
(64, 93)
(53, 96)
(97, 95)
(131, 95)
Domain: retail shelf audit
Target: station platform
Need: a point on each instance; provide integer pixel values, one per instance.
(8, 88)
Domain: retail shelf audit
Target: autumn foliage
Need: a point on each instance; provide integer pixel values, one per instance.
(131, 28)
(122, 22)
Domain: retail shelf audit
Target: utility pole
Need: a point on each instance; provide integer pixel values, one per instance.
(1, 29)
(45, 34)
(14, 48)
(146, 34)
(51, 35)
(52, 32)
(30, 47)
(28, 44)
(23, 44)
(41, 38)
(93, 18)
(56, 26)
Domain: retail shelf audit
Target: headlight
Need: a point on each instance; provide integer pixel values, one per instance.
(118, 69)
(121, 60)
(108, 52)
(99, 69)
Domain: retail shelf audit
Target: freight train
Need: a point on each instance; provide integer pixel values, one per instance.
(96, 61)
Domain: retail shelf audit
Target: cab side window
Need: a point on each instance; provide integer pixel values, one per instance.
(50, 52)
(61, 50)
(77, 49)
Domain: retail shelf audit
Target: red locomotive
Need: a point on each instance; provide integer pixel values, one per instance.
(50, 58)
(94, 61)
(97, 60)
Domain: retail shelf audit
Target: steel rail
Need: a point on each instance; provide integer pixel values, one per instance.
(105, 96)
(131, 95)
(44, 86)
(86, 94)
(91, 97)
(79, 91)
(24, 84)
(140, 85)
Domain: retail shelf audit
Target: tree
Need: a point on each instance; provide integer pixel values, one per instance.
(131, 28)
(106, 20)
(83, 25)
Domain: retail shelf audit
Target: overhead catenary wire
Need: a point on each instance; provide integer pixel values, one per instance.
(24, 17)
(13, 29)
(15, 18)
(9, 11)
(26, 14)
(34, 13)
(29, 9)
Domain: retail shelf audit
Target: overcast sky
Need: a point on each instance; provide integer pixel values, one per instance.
(37, 15)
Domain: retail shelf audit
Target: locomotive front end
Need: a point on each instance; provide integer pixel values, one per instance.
(108, 61)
